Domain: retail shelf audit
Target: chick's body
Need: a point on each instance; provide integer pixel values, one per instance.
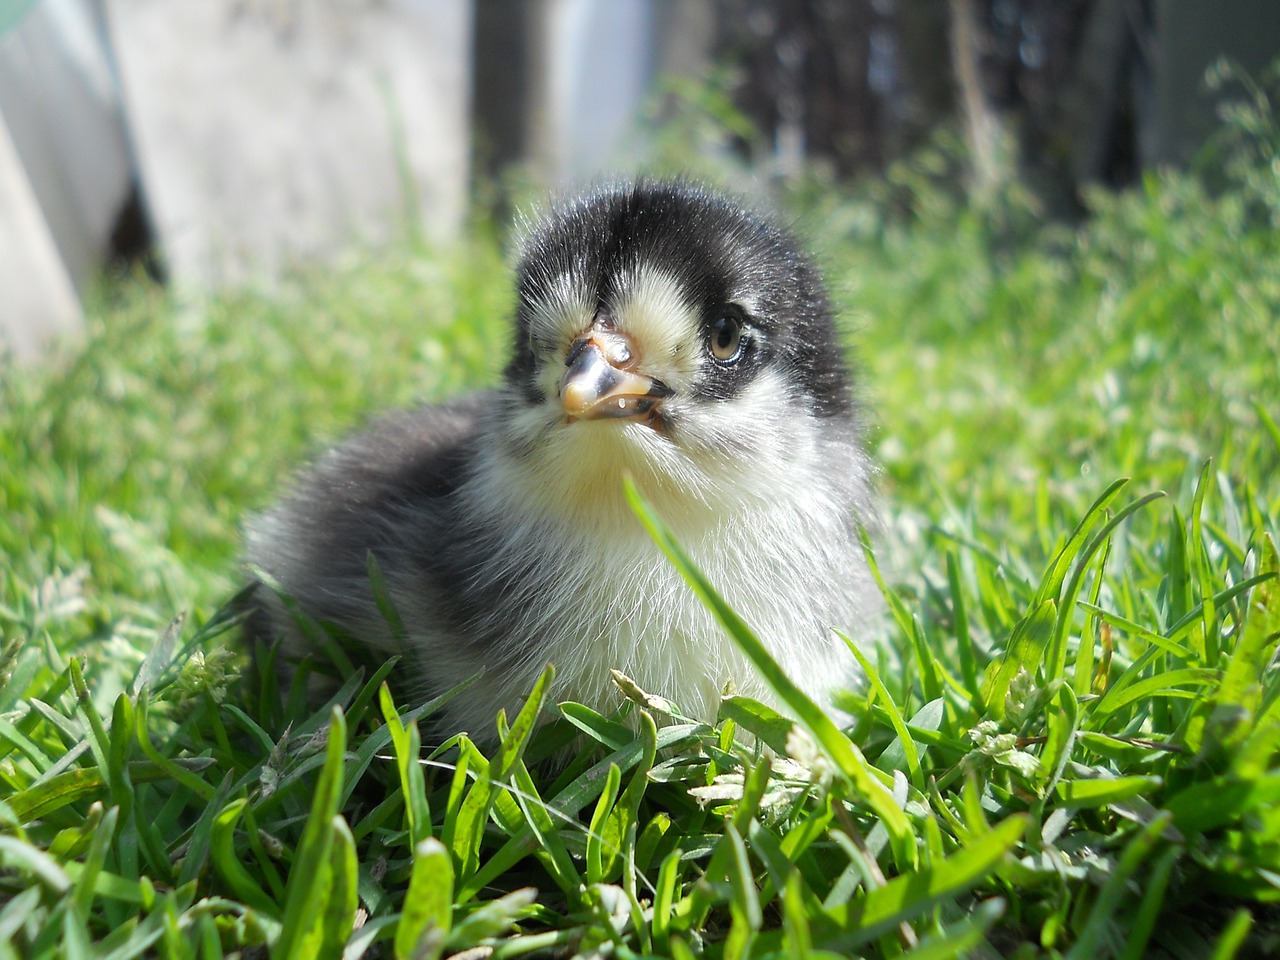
(661, 331)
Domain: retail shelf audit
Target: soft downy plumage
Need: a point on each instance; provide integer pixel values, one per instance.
(663, 332)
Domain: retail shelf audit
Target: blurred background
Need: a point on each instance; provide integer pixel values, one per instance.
(219, 143)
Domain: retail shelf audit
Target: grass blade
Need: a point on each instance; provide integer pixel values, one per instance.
(310, 878)
(428, 904)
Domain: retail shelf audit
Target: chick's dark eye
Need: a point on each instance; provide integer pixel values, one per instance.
(726, 338)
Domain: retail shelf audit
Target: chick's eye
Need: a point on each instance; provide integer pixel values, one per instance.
(726, 338)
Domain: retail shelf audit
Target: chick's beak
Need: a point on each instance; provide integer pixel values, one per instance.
(602, 384)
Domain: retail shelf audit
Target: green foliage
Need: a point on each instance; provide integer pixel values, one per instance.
(1067, 745)
(141, 450)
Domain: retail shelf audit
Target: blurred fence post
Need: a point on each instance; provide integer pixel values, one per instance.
(560, 84)
(275, 132)
(65, 166)
(37, 300)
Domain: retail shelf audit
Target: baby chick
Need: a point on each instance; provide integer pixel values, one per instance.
(661, 331)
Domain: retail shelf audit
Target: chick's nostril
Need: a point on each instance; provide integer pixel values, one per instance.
(618, 348)
(618, 351)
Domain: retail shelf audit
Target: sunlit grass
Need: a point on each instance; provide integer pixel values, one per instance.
(1067, 745)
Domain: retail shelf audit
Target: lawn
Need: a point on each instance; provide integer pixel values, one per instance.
(1068, 745)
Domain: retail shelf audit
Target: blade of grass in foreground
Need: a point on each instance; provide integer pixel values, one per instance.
(428, 905)
(909, 750)
(407, 745)
(1056, 658)
(311, 873)
(839, 748)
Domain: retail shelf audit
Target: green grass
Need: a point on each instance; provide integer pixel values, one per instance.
(1067, 747)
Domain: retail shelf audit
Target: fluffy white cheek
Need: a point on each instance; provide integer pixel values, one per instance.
(752, 442)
